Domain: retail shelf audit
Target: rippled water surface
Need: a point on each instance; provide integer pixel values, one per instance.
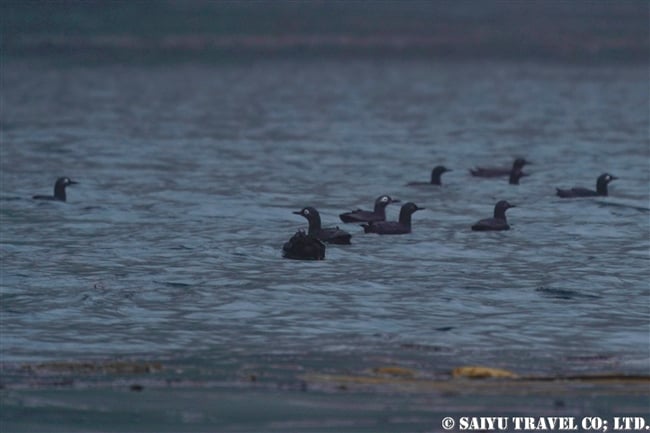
(168, 250)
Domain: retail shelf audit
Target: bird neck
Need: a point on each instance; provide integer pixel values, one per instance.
(59, 192)
(314, 224)
(515, 175)
(380, 209)
(405, 217)
(500, 213)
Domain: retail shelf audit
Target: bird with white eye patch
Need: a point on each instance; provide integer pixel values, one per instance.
(59, 190)
(330, 235)
(378, 214)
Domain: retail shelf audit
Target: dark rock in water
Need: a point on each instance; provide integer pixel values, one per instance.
(362, 216)
(601, 188)
(498, 222)
(303, 246)
(59, 190)
(330, 235)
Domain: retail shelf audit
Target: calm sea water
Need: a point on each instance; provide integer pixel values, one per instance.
(169, 249)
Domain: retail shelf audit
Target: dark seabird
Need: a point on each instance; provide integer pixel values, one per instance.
(518, 164)
(515, 175)
(601, 188)
(435, 176)
(303, 246)
(400, 227)
(59, 190)
(499, 221)
(331, 235)
(360, 215)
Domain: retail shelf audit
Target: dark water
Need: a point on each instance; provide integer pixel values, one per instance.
(167, 254)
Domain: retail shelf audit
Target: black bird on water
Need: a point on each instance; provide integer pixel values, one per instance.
(400, 227)
(515, 175)
(435, 176)
(59, 190)
(330, 235)
(498, 222)
(378, 214)
(518, 164)
(601, 188)
(303, 246)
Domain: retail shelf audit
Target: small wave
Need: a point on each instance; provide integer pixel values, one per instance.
(564, 293)
(624, 204)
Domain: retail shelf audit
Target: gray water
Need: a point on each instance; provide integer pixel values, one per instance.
(169, 249)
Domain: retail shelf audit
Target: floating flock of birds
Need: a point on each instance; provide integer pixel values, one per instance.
(310, 245)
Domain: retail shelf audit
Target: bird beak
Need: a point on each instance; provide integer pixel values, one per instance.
(613, 177)
(512, 205)
(297, 212)
(72, 182)
(420, 208)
